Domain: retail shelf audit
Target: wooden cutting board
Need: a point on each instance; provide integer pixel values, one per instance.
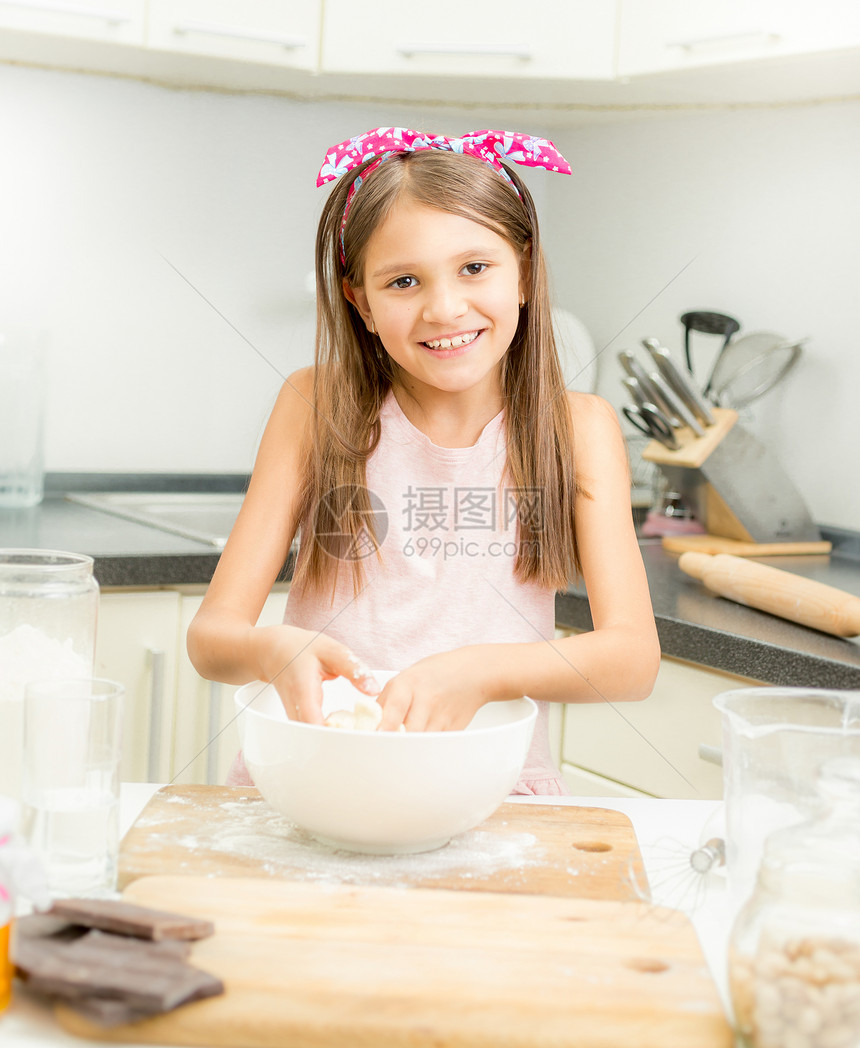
(521, 848)
(738, 548)
(311, 966)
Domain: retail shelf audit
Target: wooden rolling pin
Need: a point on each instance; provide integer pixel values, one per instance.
(780, 592)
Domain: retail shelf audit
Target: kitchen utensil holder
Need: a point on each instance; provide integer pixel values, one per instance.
(734, 485)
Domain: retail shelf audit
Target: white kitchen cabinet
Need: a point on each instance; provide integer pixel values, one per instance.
(663, 35)
(582, 783)
(205, 736)
(136, 645)
(177, 726)
(484, 38)
(274, 32)
(115, 21)
(650, 747)
(584, 52)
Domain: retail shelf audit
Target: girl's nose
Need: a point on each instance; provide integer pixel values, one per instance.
(443, 302)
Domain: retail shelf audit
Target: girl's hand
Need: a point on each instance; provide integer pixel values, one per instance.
(439, 693)
(297, 661)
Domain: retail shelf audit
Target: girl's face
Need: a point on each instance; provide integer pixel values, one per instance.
(443, 293)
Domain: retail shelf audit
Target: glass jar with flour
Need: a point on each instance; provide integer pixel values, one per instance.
(794, 952)
(48, 612)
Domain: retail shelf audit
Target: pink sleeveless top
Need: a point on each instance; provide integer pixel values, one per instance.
(446, 576)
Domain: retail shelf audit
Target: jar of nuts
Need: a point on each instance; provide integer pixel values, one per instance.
(794, 951)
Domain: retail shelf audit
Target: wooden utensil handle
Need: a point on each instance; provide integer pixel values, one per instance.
(777, 591)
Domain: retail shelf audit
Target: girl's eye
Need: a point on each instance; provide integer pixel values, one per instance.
(475, 268)
(403, 282)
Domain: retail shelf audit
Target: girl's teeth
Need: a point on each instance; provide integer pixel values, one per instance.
(452, 343)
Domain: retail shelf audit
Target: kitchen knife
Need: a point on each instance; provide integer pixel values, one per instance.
(779, 592)
(680, 380)
(662, 403)
(675, 405)
(634, 388)
(635, 370)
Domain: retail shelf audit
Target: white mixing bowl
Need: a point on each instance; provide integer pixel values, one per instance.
(383, 793)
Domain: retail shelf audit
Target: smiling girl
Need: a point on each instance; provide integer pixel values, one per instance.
(445, 482)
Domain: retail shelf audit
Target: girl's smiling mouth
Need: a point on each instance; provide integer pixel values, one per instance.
(455, 342)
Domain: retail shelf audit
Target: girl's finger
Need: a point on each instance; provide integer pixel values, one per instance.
(309, 700)
(290, 707)
(418, 718)
(348, 665)
(364, 680)
(301, 697)
(395, 701)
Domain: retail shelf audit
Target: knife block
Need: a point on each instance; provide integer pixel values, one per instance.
(734, 485)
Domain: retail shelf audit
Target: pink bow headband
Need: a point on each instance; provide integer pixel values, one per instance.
(490, 146)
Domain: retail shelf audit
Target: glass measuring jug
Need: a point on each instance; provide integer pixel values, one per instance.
(775, 740)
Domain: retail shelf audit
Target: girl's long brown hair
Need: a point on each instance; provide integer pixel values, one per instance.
(354, 373)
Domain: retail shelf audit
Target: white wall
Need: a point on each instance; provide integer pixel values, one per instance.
(107, 184)
(753, 213)
(107, 187)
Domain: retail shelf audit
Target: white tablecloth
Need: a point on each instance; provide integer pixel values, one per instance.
(667, 831)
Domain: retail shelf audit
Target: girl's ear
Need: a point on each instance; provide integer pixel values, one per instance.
(356, 297)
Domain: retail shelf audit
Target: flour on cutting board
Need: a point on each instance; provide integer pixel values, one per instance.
(272, 839)
(256, 832)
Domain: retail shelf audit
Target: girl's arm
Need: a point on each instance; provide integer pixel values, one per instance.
(223, 640)
(617, 661)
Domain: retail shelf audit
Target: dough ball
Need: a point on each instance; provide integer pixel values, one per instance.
(341, 719)
(366, 715)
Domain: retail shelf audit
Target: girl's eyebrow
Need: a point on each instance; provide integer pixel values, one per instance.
(391, 271)
(469, 255)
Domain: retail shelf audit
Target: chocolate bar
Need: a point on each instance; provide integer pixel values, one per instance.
(111, 915)
(111, 978)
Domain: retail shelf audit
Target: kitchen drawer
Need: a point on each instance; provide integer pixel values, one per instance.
(273, 32)
(117, 21)
(206, 738)
(582, 783)
(177, 727)
(662, 35)
(653, 746)
(136, 645)
(484, 38)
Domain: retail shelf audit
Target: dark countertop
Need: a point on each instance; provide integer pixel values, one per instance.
(693, 623)
(125, 553)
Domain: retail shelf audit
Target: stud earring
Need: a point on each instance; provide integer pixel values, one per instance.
(522, 300)
(372, 327)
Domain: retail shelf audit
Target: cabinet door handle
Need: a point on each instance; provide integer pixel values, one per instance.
(157, 663)
(57, 7)
(214, 733)
(235, 33)
(464, 50)
(712, 754)
(751, 36)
